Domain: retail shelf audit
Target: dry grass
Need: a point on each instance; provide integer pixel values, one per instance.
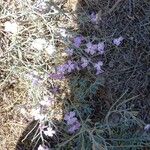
(17, 59)
(12, 121)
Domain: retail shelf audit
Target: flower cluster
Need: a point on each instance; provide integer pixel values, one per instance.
(71, 66)
(95, 48)
(72, 122)
(90, 49)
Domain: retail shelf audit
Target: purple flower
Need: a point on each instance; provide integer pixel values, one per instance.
(70, 66)
(84, 61)
(99, 72)
(69, 115)
(118, 41)
(71, 121)
(74, 127)
(93, 17)
(77, 66)
(56, 76)
(98, 67)
(62, 69)
(91, 48)
(55, 90)
(78, 41)
(69, 51)
(147, 127)
(100, 47)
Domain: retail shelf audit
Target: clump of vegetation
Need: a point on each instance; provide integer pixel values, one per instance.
(77, 73)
